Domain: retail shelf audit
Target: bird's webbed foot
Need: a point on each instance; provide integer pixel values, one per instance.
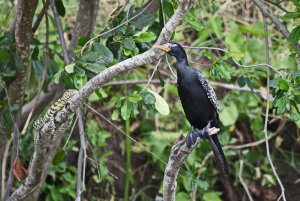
(192, 136)
(203, 133)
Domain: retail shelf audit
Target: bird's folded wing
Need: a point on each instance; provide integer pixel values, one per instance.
(209, 91)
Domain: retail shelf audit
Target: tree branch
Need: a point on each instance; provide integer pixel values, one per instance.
(267, 108)
(178, 156)
(60, 33)
(268, 13)
(81, 163)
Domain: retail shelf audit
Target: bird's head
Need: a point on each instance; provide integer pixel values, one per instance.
(172, 48)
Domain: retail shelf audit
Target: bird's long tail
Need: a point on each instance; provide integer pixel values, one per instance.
(218, 154)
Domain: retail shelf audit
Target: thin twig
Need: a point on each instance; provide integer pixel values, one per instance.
(277, 5)
(234, 60)
(260, 92)
(4, 161)
(267, 107)
(170, 67)
(40, 17)
(242, 180)
(70, 134)
(81, 163)
(60, 33)
(150, 79)
(99, 164)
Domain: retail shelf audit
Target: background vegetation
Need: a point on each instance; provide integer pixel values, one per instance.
(138, 115)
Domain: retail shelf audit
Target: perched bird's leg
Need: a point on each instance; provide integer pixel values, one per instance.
(203, 133)
(191, 138)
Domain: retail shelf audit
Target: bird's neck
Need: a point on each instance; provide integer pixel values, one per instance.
(181, 63)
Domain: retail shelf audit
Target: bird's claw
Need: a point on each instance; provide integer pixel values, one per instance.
(191, 138)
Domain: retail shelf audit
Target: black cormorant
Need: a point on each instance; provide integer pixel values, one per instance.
(198, 100)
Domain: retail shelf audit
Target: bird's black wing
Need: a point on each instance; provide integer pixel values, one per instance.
(209, 91)
(214, 141)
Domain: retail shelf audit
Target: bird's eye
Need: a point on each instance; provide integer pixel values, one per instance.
(170, 46)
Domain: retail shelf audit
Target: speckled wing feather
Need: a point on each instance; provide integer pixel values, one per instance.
(209, 91)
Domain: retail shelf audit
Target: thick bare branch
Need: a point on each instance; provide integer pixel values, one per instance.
(178, 156)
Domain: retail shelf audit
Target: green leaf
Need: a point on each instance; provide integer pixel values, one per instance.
(295, 35)
(70, 68)
(209, 55)
(241, 81)
(144, 20)
(269, 178)
(134, 98)
(161, 80)
(79, 81)
(57, 76)
(82, 41)
(223, 70)
(160, 104)
(115, 115)
(274, 83)
(59, 156)
(256, 28)
(60, 7)
(212, 196)
(9, 73)
(229, 115)
(94, 67)
(129, 44)
(280, 102)
(202, 184)
(146, 37)
(182, 196)
(105, 55)
(126, 110)
(3, 56)
(294, 111)
(283, 84)
(168, 8)
(291, 15)
(148, 98)
(35, 53)
(193, 20)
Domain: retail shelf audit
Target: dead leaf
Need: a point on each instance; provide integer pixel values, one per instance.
(19, 171)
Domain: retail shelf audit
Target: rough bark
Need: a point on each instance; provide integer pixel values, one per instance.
(85, 22)
(36, 167)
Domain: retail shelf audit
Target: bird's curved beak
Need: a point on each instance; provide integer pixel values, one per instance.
(162, 47)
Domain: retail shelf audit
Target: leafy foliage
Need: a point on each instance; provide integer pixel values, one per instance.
(155, 113)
